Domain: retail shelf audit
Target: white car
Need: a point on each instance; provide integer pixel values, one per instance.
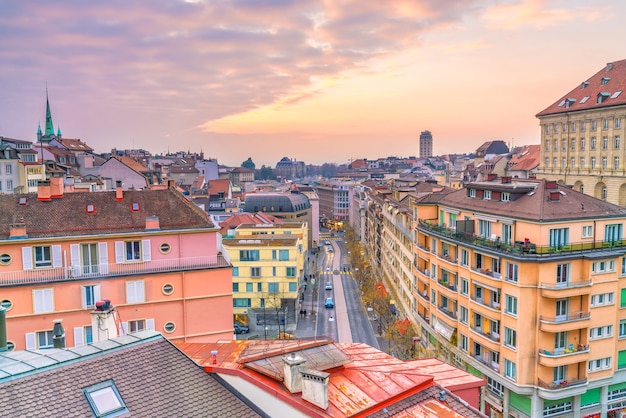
(328, 286)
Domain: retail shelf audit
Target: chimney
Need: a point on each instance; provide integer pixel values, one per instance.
(551, 184)
(43, 191)
(315, 387)
(506, 179)
(491, 176)
(103, 321)
(18, 230)
(3, 329)
(152, 223)
(555, 196)
(56, 187)
(119, 193)
(293, 367)
(58, 334)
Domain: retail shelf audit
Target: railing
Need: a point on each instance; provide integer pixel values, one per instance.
(445, 311)
(424, 296)
(447, 257)
(522, 248)
(562, 384)
(574, 316)
(265, 259)
(423, 247)
(492, 365)
(567, 284)
(59, 274)
(447, 285)
(490, 335)
(560, 352)
(480, 301)
(487, 272)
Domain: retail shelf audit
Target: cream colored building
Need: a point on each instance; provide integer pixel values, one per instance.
(582, 136)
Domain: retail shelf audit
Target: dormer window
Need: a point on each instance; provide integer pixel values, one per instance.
(505, 196)
(472, 192)
(90, 209)
(135, 207)
(487, 195)
(605, 80)
(602, 97)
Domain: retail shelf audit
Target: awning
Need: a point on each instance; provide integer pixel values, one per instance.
(444, 329)
(477, 283)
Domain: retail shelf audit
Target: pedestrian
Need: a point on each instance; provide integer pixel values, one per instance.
(305, 313)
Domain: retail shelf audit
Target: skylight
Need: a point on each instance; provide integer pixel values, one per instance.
(616, 94)
(105, 400)
(584, 99)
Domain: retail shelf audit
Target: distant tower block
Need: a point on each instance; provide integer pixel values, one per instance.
(426, 144)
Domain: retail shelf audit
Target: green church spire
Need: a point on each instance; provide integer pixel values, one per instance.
(49, 127)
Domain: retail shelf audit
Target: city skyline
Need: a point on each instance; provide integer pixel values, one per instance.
(314, 81)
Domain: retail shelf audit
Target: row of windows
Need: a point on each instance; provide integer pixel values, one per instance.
(255, 255)
(8, 186)
(256, 271)
(593, 145)
(554, 127)
(272, 287)
(572, 163)
(489, 195)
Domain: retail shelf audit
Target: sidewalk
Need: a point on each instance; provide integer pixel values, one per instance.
(306, 326)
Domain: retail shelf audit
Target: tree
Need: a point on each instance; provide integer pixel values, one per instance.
(265, 173)
(249, 164)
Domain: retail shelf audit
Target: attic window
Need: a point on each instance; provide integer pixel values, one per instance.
(584, 99)
(23, 201)
(135, 207)
(105, 400)
(605, 80)
(90, 209)
(616, 94)
(602, 97)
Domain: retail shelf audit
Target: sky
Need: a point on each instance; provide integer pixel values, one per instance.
(312, 80)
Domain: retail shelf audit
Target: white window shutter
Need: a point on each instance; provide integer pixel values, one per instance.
(119, 252)
(83, 299)
(96, 293)
(48, 299)
(130, 292)
(31, 343)
(125, 328)
(141, 293)
(75, 259)
(57, 258)
(78, 337)
(103, 257)
(150, 324)
(27, 258)
(145, 250)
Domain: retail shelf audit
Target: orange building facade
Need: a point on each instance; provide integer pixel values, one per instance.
(153, 254)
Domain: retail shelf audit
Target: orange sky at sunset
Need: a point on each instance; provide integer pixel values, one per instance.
(317, 81)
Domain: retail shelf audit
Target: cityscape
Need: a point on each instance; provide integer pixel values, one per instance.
(312, 209)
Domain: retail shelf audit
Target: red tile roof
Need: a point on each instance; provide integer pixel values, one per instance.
(610, 82)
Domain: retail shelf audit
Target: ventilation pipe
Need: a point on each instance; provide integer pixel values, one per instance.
(58, 334)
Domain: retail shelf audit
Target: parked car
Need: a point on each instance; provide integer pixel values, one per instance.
(330, 250)
(241, 329)
(327, 243)
(329, 304)
(328, 286)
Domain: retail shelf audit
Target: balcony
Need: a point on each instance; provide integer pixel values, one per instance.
(487, 273)
(492, 336)
(424, 295)
(444, 310)
(519, 248)
(492, 306)
(569, 322)
(565, 289)
(563, 356)
(491, 364)
(447, 258)
(61, 274)
(447, 285)
(564, 384)
(424, 248)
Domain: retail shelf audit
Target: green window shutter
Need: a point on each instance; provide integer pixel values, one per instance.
(547, 402)
(520, 402)
(621, 359)
(622, 298)
(617, 386)
(591, 397)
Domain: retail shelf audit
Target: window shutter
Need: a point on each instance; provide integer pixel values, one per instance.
(78, 337)
(622, 298)
(96, 293)
(103, 257)
(31, 341)
(140, 291)
(57, 259)
(119, 252)
(125, 328)
(150, 324)
(75, 259)
(145, 250)
(27, 258)
(83, 299)
(130, 292)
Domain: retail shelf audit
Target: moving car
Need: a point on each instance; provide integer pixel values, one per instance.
(329, 304)
(241, 329)
(328, 286)
(327, 243)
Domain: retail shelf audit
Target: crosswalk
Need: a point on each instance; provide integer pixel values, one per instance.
(329, 272)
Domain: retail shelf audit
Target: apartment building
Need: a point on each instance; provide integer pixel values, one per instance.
(426, 144)
(581, 136)
(268, 261)
(335, 197)
(154, 254)
(523, 282)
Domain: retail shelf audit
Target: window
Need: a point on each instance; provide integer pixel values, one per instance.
(600, 364)
(235, 271)
(463, 342)
(169, 327)
(622, 328)
(547, 162)
(604, 163)
(593, 162)
(618, 123)
(613, 233)
(563, 162)
(463, 314)
(601, 332)
(582, 144)
(587, 231)
(601, 299)
(90, 295)
(235, 287)
(6, 304)
(133, 250)
(510, 304)
(559, 237)
(167, 289)
(472, 192)
(594, 125)
(43, 256)
(505, 196)
(243, 303)
(547, 140)
(593, 142)
(616, 141)
(603, 266)
(562, 273)
(605, 124)
(249, 287)
(43, 300)
(603, 194)
(255, 272)
(135, 291)
(291, 272)
(510, 337)
(495, 387)
(8, 169)
(283, 255)
(44, 339)
(293, 287)
(510, 369)
(259, 287)
(605, 142)
(464, 257)
(557, 409)
(9, 185)
(105, 400)
(165, 248)
(272, 287)
(273, 271)
(249, 255)
(5, 259)
(484, 228)
(572, 162)
(573, 126)
(487, 195)
(615, 163)
(564, 142)
(583, 126)
(582, 162)
(464, 286)
(136, 325)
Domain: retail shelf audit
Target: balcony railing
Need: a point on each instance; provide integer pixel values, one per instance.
(487, 272)
(490, 305)
(60, 274)
(559, 352)
(447, 257)
(491, 364)
(566, 285)
(490, 335)
(561, 384)
(574, 316)
(424, 295)
(447, 285)
(444, 310)
(521, 248)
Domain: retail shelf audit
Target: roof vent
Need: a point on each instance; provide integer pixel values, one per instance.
(609, 66)
(584, 84)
